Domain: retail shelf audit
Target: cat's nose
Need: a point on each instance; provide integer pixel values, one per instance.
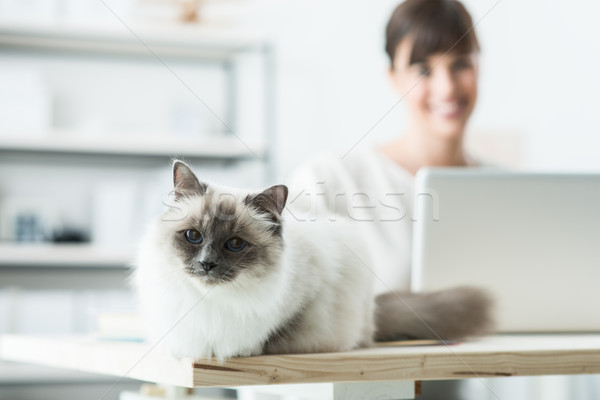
(207, 265)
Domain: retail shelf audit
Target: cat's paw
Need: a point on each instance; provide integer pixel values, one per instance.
(249, 352)
(201, 353)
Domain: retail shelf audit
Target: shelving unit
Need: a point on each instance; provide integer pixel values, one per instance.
(193, 44)
(63, 256)
(147, 45)
(92, 276)
(204, 43)
(65, 144)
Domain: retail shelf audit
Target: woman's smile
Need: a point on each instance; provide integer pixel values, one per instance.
(447, 110)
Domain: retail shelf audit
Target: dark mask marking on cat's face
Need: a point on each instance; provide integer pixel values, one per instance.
(218, 217)
(218, 221)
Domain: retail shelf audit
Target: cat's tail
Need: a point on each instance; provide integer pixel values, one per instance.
(451, 314)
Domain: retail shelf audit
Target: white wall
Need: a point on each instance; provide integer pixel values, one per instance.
(541, 66)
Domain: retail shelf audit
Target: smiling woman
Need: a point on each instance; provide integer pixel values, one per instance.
(433, 52)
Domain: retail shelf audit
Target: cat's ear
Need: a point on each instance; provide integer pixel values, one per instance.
(271, 200)
(185, 182)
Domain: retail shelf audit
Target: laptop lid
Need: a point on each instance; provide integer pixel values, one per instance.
(531, 239)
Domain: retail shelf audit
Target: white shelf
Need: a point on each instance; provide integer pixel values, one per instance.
(230, 147)
(188, 41)
(65, 256)
(16, 373)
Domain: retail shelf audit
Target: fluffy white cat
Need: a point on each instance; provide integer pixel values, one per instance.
(221, 274)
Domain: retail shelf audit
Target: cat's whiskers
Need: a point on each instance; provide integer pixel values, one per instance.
(167, 273)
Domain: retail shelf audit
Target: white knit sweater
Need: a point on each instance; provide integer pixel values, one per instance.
(370, 189)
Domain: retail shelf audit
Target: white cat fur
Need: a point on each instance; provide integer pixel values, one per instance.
(317, 278)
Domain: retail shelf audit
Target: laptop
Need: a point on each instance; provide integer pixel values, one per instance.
(531, 239)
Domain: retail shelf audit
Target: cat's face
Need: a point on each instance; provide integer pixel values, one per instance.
(220, 236)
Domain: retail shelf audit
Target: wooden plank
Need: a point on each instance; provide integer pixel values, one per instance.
(495, 356)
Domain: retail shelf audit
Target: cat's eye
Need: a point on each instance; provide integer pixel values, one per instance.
(193, 236)
(235, 244)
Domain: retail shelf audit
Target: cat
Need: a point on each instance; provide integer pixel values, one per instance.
(222, 274)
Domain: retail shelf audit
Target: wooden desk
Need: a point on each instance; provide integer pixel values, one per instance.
(494, 356)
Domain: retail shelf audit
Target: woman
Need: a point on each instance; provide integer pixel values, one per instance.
(433, 53)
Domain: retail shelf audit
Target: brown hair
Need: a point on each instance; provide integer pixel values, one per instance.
(434, 26)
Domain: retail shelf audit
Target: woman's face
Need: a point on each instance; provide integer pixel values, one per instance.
(440, 93)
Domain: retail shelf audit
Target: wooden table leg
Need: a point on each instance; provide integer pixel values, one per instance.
(156, 392)
(374, 390)
(400, 390)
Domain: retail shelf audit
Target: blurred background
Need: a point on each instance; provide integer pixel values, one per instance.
(97, 96)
